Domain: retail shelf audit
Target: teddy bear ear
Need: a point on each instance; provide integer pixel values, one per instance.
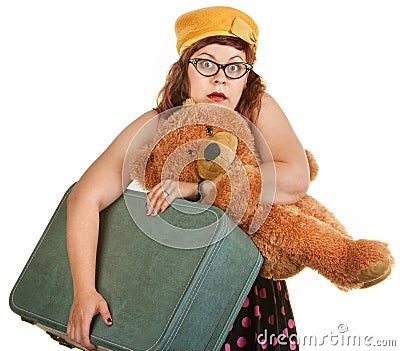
(313, 165)
(146, 167)
(189, 101)
(138, 164)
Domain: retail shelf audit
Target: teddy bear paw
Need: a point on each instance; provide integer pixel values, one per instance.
(373, 275)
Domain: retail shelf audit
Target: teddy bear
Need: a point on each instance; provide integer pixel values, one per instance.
(206, 142)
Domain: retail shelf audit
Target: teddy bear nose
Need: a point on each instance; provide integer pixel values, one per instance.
(212, 151)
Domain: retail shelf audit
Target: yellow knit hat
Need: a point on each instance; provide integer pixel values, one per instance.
(210, 21)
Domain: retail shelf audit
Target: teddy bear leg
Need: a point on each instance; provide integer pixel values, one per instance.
(379, 258)
(345, 262)
(314, 208)
(366, 274)
(278, 264)
(369, 276)
(364, 263)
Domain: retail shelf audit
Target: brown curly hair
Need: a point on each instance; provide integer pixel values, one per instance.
(176, 88)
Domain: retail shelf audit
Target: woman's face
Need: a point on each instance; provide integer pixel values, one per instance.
(218, 89)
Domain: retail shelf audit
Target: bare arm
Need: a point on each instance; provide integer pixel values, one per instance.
(289, 159)
(99, 186)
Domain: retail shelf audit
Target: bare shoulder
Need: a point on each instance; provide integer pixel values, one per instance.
(149, 117)
(270, 111)
(141, 128)
(272, 121)
(277, 131)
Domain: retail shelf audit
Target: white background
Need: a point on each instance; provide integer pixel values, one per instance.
(74, 73)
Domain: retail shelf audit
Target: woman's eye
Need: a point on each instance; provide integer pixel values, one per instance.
(209, 131)
(207, 64)
(233, 68)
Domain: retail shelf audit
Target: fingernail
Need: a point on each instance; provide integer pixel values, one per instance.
(109, 320)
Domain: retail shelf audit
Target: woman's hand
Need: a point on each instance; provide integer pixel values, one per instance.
(162, 195)
(85, 306)
(208, 191)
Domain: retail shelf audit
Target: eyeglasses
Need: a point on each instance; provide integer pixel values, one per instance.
(210, 68)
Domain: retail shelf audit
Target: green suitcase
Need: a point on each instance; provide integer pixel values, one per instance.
(165, 291)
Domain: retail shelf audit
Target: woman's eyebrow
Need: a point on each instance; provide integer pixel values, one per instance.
(213, 57)
(239, 57)
(205, 53)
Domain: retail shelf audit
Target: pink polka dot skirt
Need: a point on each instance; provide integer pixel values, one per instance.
(265, 321)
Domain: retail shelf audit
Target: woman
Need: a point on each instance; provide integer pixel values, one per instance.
(217, 48)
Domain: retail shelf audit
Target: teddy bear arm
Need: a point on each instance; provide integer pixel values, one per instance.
(242, 202)
(223, 191)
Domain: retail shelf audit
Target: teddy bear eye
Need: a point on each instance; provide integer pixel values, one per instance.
(190, 152)
(209, 131)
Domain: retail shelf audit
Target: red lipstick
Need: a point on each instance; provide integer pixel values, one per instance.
(216, 96)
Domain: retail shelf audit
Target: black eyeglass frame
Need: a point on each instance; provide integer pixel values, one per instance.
(195, 61)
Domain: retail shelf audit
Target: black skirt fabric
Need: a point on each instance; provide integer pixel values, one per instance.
(265, 321)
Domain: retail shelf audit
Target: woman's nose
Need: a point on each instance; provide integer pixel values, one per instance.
(220, 77)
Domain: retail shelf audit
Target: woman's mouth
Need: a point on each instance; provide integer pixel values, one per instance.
(216, 96)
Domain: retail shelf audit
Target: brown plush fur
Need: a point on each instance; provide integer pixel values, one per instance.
(290, 237)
